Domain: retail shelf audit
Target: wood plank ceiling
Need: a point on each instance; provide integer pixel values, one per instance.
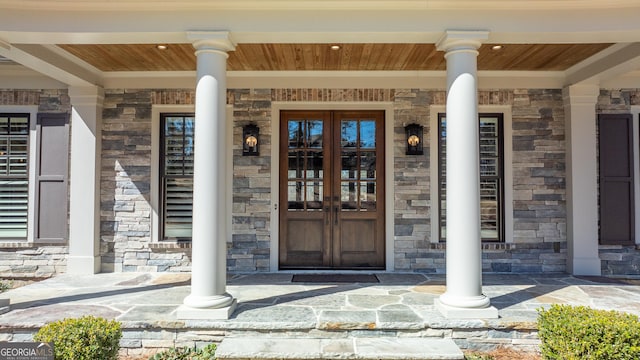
(320, 57)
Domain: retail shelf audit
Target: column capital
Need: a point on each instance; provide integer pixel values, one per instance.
(211, 41)
(581, 94)
(86, 95)
(461, 40)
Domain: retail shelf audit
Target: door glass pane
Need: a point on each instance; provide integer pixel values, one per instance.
(368, 165)
(314, 131)
(314, 165)
(306, 164)
(295, 195)
(314, 195)
(349, 195)
(368, 134)
(348, 133)
(367, 196)
(349, 165)
(296, 133)
(296, 164)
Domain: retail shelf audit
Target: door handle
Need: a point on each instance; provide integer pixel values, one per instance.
(327, 216)
(335, 215)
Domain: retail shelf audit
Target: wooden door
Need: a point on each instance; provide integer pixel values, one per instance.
(332, 190)
(615, 145)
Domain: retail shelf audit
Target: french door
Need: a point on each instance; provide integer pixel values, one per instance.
(332, 190)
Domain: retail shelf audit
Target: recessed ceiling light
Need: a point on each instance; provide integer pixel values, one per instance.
(496, 47)
(335, 47)
(162, 47)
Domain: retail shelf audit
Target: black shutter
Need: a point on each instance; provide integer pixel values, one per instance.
(615, 144)
(52, 178)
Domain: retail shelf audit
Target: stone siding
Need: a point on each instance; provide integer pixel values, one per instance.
(20, 259)
(538, 152)
(125, 211)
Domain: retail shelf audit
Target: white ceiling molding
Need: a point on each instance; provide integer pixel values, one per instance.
(381, 5)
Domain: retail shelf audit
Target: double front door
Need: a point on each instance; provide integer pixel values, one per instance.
(332, 190)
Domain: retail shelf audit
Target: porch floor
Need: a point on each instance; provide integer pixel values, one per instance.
(400, 305)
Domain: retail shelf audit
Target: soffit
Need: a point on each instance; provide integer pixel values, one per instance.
(320, 57)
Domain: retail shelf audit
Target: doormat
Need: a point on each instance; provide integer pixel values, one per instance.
(335, 278)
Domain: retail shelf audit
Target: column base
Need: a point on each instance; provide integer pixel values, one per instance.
(585, 266)
(185, 312)
(451, 312)
(83, 265)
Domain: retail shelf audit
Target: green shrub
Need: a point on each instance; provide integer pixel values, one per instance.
(85, 338)
(184, 353)
(578, 332)
(5, 285)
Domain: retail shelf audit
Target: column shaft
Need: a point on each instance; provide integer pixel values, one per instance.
(464, 258)
(84, 179)
(463, 297)
(210, 188)
(582, 175)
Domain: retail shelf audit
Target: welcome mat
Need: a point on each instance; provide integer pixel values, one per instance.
(335, 278)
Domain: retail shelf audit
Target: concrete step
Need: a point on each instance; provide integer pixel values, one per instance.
(379, 348)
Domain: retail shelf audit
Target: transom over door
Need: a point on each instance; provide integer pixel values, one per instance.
(332, 190)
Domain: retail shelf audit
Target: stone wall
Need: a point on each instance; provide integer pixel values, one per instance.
(125, 211)
(126, 245)
(20, 259)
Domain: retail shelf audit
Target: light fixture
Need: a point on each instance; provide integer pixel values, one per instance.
(414, 139)
(250, 140)
(335, 47)
(162, 47)
(496, 47)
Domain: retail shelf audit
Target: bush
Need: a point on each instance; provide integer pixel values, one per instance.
(184, 353)
(578, 332)
(85, 338)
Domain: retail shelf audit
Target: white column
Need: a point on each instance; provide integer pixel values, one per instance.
(208, 298)
(463, 297)
(84, 179)
(582, 174)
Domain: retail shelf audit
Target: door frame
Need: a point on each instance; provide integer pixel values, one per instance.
(276, 108)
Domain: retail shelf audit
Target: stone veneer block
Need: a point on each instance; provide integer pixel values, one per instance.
(238, 348)
(188, 313)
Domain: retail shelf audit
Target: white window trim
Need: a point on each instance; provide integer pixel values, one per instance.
(276, 107)
(507, 131)
(32, 110)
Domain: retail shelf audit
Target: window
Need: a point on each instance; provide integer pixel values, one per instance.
(176, 175)
(491, 176)
(14, 177)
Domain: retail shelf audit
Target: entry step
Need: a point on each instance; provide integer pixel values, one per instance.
(379, 348)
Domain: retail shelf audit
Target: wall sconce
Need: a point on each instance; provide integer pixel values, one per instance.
(250, 140)
(414, 139)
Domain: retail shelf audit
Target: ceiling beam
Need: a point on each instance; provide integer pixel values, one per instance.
(49, 62)
(620, 60)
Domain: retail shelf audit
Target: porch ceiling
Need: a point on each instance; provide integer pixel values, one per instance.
(320, 57)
